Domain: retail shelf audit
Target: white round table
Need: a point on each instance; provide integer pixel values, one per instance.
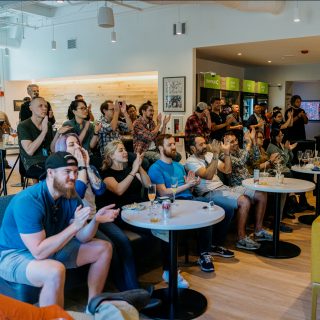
(308, 218)
(187, 214)
(278, 249)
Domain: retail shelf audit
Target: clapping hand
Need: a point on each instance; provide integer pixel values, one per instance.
(44, 124)
(81, 216)
(107, 214)
(215, 146)
(191, 179)
(137, 163)
(252, 134)
(166, 119)
(97, 127)
(64, 129)
(123, 107)
(159, 119)
(225, 147)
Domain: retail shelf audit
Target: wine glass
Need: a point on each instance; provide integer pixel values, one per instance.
(299, 155)
(151, 194)
(305, 157)
(174, 186)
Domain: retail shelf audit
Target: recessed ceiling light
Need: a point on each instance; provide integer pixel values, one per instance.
(239, 54)
(269, 61)
(60, 1)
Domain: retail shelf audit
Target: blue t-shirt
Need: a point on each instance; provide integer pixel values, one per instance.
(161, 172)
(33, 210)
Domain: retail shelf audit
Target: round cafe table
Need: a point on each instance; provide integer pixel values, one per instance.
(308, 218)
(278, 249)
(187, 214)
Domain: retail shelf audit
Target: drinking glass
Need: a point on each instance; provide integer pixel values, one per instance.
(299, 155)
(151, 194)
(174, 186)
(305, 157)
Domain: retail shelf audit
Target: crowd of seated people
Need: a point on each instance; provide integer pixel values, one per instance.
(85, 198)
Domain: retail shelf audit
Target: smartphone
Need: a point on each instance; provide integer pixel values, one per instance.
(120, 103)
(245, 129)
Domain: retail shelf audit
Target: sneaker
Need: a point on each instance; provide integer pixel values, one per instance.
(263, 235)
(285, 228)
(247, 244)
(221, 251)
(205, 262)
(182, 282)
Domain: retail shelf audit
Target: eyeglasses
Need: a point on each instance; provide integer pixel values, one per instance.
(82, 108)
(259, 137)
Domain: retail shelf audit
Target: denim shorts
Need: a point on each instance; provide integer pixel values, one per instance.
(14, 262)
(229, 196)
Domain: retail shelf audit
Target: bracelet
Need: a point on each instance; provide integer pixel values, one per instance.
(130, 174)
(82, 168)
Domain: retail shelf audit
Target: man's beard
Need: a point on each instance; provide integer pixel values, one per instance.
(64, 191)
(172, 154)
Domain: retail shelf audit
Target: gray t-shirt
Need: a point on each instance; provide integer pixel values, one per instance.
(193, 163)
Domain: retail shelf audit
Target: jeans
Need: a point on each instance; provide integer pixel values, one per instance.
(123, 264)
(219, 230)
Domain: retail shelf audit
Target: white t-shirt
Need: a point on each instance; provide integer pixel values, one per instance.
(193, 163)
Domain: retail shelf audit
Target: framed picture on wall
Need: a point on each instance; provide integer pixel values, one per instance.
(174, 94)
(17, 105)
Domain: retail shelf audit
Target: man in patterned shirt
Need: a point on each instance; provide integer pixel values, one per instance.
(111, 126)
(145, 131)
(199, 123)
(239, 159)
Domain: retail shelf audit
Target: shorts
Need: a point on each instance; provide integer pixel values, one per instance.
(228, 196)
(14, 262)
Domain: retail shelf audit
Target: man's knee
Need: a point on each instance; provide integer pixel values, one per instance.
(56, 271)
(244, 203)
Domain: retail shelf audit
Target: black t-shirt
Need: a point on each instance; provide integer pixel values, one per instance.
(26, 113)
(132, 194)
(297, 131)
(217, 119)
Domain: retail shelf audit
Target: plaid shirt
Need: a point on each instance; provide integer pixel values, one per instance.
(142, 134)
(196, 125)
(239, 160)
(106, 134)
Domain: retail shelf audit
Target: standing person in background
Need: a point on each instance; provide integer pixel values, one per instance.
(297, 131)
(25, 112)
(90, 116)
(87, 132)
(257, 120)
(237, 124)
(218, 125)
(199, 123)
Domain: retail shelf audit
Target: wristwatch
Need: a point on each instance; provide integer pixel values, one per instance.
(82, 168)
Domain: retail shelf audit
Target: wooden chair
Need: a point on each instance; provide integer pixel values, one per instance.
(315, 265)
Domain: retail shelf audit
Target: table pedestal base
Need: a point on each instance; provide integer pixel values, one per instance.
(189, 305)
(307, 219)
(285, 250)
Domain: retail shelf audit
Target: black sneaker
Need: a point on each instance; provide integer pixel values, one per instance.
(205, 262)
(221, 251)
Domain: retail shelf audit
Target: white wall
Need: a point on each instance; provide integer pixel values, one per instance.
(145, 42)
(222, 69)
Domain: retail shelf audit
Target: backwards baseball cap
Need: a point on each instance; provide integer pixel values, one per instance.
(276, 109)
(201, 106)
(57, 160)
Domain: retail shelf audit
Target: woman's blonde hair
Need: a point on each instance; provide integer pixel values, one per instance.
(109, 150)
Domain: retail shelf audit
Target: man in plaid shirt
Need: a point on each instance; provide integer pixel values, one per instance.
(145, 131)
(199, 123)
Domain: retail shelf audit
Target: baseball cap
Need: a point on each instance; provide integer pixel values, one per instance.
(201, 106)
(60, 159)
(276, 109)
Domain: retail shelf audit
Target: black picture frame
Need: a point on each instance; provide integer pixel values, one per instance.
(174, 94)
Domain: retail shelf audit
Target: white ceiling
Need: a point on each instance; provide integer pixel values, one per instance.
(39, 14)
(279, 52)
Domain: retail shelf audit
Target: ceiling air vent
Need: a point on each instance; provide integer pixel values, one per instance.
(72, 44)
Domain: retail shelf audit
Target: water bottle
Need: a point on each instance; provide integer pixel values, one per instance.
(256, 176)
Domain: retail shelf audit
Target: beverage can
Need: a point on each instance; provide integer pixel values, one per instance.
(166, 209)
(256, 176)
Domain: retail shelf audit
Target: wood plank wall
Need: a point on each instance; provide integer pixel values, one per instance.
(135, 92)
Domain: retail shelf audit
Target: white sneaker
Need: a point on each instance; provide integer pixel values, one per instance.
(182, 282)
